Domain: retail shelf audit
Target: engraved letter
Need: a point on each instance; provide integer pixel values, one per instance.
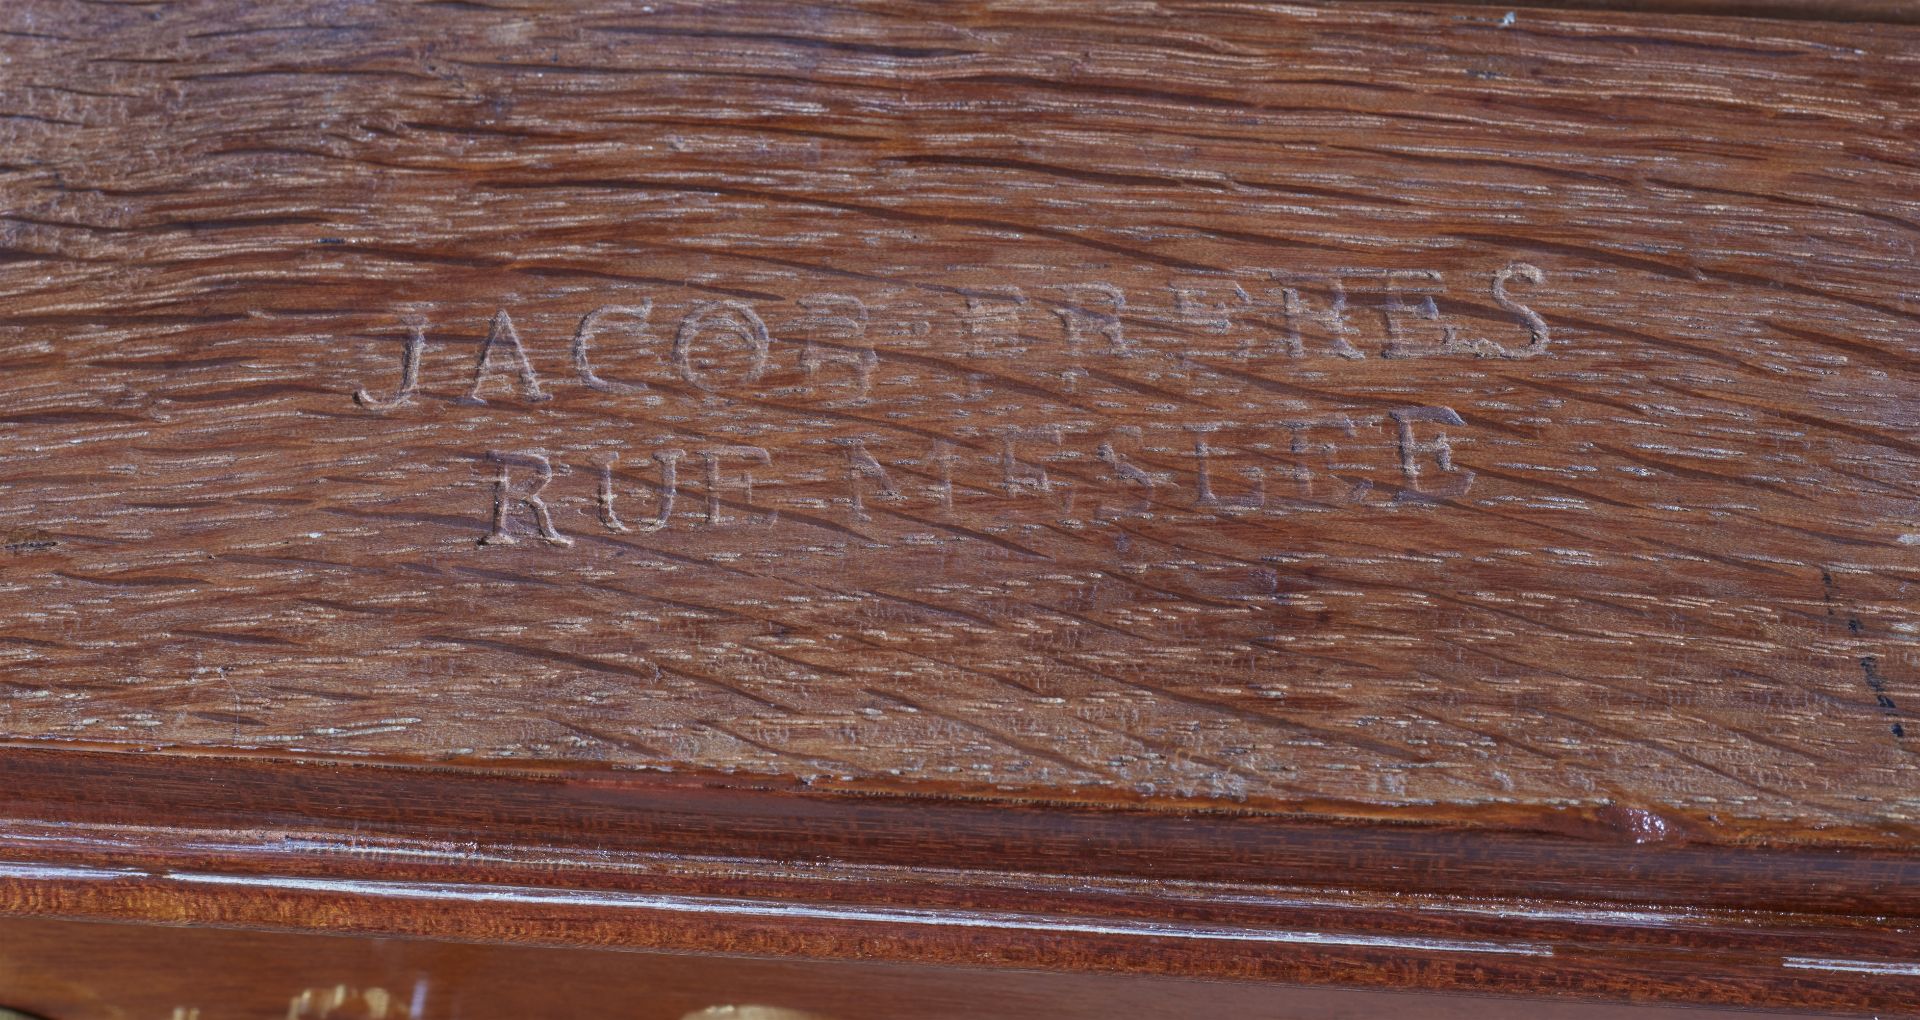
(1253, 500)
(861, 464)
(1334, 319)
(1194, 313)
(1438, 447)
(713, 456)
(1083, 324)
(732, 316)
(849, 329)
(1127, 473)
(669, 461)
(1298, 445)
(1428, 284)
(504, 493)
(1018, 477)
(409, 372)
(943, 455)
(605, 495)
(502, 332)
(993, 321)
(588, 324)
(1536, 326)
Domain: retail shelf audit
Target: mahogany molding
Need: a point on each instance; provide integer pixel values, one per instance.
(1894, 12)
(312, 976)
(718, 865)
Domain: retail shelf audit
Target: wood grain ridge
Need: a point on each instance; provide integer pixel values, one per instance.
(1416, 410)
(594, 859)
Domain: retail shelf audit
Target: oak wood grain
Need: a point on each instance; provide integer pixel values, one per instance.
(1397, 419)
(997, 458)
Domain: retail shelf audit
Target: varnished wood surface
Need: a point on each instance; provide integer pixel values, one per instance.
(1892, 11)
(110, 972)
(1660, 315)
(1483, 438)
(719, 866)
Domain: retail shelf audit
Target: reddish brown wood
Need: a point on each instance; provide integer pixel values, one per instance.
(58, 969)
(1418, 497)
(710, 865)
(1904, 12)
(1658, 558)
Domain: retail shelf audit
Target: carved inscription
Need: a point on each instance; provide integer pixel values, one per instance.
(1203, 353)
(1200, 406)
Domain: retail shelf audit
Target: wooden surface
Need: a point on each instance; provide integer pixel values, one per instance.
(1662, 560)
(1892, 11)
(1316, 415)
(720, 866)
(57, 969)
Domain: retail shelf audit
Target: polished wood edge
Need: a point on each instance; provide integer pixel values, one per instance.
(1601, 821)
(1891, 12)
(700, 863)
(446, 980)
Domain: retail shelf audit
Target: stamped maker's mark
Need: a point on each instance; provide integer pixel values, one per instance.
(832, 350)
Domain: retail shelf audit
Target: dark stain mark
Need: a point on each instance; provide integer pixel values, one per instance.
(1869, 665)
(1878, 684)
